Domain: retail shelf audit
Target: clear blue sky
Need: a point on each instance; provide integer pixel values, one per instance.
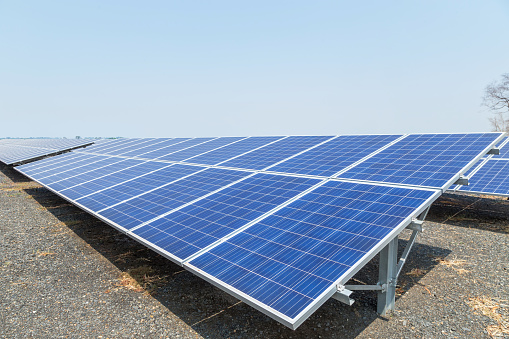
(213, 68)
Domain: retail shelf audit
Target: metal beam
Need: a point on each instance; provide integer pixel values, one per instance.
(387, 275)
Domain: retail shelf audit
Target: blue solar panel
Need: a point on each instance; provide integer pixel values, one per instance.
(66, 165)
(51, 162)
(199, 149)
(225, 153)
(133, 212)
(69, 171)
(153, 147)
(423, 159)
(194, 227)
(161, 152)
(289, 259)
(106, 144)
(140, 185)
(100, 183)
(273, 153)
(113, 146)
(14, 151)
(91, 174)
(139, 143)
(491, 178)
(334, 155)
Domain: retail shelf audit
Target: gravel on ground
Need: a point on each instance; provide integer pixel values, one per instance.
(65, 274)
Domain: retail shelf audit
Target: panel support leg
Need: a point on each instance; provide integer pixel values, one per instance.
(387, 274)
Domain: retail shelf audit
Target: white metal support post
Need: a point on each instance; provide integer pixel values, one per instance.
(387, 275)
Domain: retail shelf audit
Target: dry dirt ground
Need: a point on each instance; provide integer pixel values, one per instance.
(65, 274)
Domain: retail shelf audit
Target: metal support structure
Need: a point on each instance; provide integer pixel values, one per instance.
(494, 151)
(462, 181)
(343, 295)
(387, 275)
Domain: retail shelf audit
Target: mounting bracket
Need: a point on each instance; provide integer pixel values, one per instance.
(388, 271)
(462, 181)
(494, 151)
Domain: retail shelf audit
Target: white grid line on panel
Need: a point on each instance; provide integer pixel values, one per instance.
(193, 201)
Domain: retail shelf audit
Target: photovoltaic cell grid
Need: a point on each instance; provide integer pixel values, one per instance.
(335, 155)
(155, 203)
(430, 160)
(194, 227)
(182, 210)
(491, 178)
(14, 151)
(289, 259)
(273, 153)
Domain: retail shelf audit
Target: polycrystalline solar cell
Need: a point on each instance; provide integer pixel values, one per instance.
(70, 170)
(106, 144)
(132, 146)
(334, 155)
(273, 153)
(19, 150)
(225, 153)
(492, 177)
(145, 207)
(153, 147)
(93, 172)
(194, 227)
(127, 190)
(126, 146)
(47, 163)
(100, 183)
(161, 152)
(69, 163)
(423, 159)
(199, 149)
(105, 148)
(10, 154)
(289, 259)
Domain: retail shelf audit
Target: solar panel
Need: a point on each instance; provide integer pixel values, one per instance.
(491, 175)
(196, 226)
(429, 160)
(335, 155)
(200, 148)
(275, 152)
(491, 178)
(265, 218)
(142, 208)
(291, 259)
(232, 151)
(14, 151)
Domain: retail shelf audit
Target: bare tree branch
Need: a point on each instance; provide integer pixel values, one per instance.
(496, 99)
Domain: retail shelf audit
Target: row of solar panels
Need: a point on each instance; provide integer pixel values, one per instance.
(491, 175)
(278, 222)
(16, 151)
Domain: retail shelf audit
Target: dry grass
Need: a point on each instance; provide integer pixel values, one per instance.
(454, 264)
(20, 186)
(417, 272)
(490, 307)
(45, 253)
(141, 279)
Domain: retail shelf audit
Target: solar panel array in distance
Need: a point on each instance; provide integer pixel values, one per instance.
(13, 151)
(268, 219)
